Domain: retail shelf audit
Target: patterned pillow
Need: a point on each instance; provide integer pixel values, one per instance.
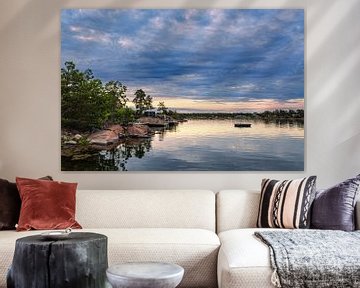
(286, 204)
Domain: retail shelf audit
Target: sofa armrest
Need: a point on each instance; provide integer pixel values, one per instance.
(357, 215)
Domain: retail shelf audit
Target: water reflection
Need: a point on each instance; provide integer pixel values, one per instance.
(162, 131)
(285, 123)
(117, 158)
(206, 145)
(113, 158)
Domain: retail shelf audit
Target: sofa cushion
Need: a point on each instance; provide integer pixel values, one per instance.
(153, 209)
(194, 249)
(334, 208)
(46, 204)
(244, 261)
(286, 204)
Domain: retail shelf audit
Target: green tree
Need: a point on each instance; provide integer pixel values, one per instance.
(140, 101)
(115, 98)
(117, 91)
(82, 98)
(148, 102)
(125, 115)
(173, 114)
(162, 108)
(300, 113)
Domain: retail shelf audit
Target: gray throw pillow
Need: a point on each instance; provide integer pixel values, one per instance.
(334, 208)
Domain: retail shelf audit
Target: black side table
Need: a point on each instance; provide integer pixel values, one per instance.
(79, 261)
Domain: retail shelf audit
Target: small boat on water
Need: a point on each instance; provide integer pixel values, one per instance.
(243, 125)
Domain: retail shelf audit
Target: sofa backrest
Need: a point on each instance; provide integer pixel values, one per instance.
(146, 209)
(236, 209)
(239, 209)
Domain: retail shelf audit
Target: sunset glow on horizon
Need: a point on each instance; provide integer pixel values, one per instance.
(183, 105)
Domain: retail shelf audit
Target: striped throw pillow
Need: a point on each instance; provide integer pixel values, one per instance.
(286, 204)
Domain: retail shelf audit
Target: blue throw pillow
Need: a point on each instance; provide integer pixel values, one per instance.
(334, 208)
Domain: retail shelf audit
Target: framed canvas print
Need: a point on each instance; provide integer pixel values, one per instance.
(182, 90)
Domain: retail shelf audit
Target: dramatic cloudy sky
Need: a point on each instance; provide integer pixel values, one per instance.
(194, 60)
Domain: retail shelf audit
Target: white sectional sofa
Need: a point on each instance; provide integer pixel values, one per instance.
(164, 225)
(177, 226)
(243, 260)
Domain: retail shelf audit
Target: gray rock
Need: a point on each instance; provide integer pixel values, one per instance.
(98, 141)
(70, 142)
(81, 157)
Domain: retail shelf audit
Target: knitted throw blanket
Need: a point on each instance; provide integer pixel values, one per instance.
(313, 258)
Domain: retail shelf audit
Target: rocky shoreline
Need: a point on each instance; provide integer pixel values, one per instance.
(82, 146)
(114, 133)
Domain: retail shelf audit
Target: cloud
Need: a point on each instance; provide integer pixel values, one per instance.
(247, 87)
(126, 43)
(213, 55)
(86, 34)
(157, 22)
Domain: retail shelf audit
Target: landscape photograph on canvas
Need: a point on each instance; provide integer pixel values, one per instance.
(182, 90)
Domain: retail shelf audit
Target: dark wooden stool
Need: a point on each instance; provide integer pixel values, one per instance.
(79, 261)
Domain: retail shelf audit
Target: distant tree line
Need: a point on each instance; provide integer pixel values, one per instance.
(282, 114)
(266, 115)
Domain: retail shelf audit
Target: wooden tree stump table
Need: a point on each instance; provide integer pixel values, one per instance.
(78, 261)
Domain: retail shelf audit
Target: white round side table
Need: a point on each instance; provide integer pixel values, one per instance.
(145, 275)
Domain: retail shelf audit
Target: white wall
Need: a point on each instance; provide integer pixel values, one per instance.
(30, 94)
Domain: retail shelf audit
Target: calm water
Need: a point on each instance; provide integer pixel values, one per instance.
(206, 145)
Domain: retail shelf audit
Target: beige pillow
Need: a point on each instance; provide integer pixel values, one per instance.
(286, 204)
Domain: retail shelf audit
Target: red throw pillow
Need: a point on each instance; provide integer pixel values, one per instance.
(10, 204)
(46, 204)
